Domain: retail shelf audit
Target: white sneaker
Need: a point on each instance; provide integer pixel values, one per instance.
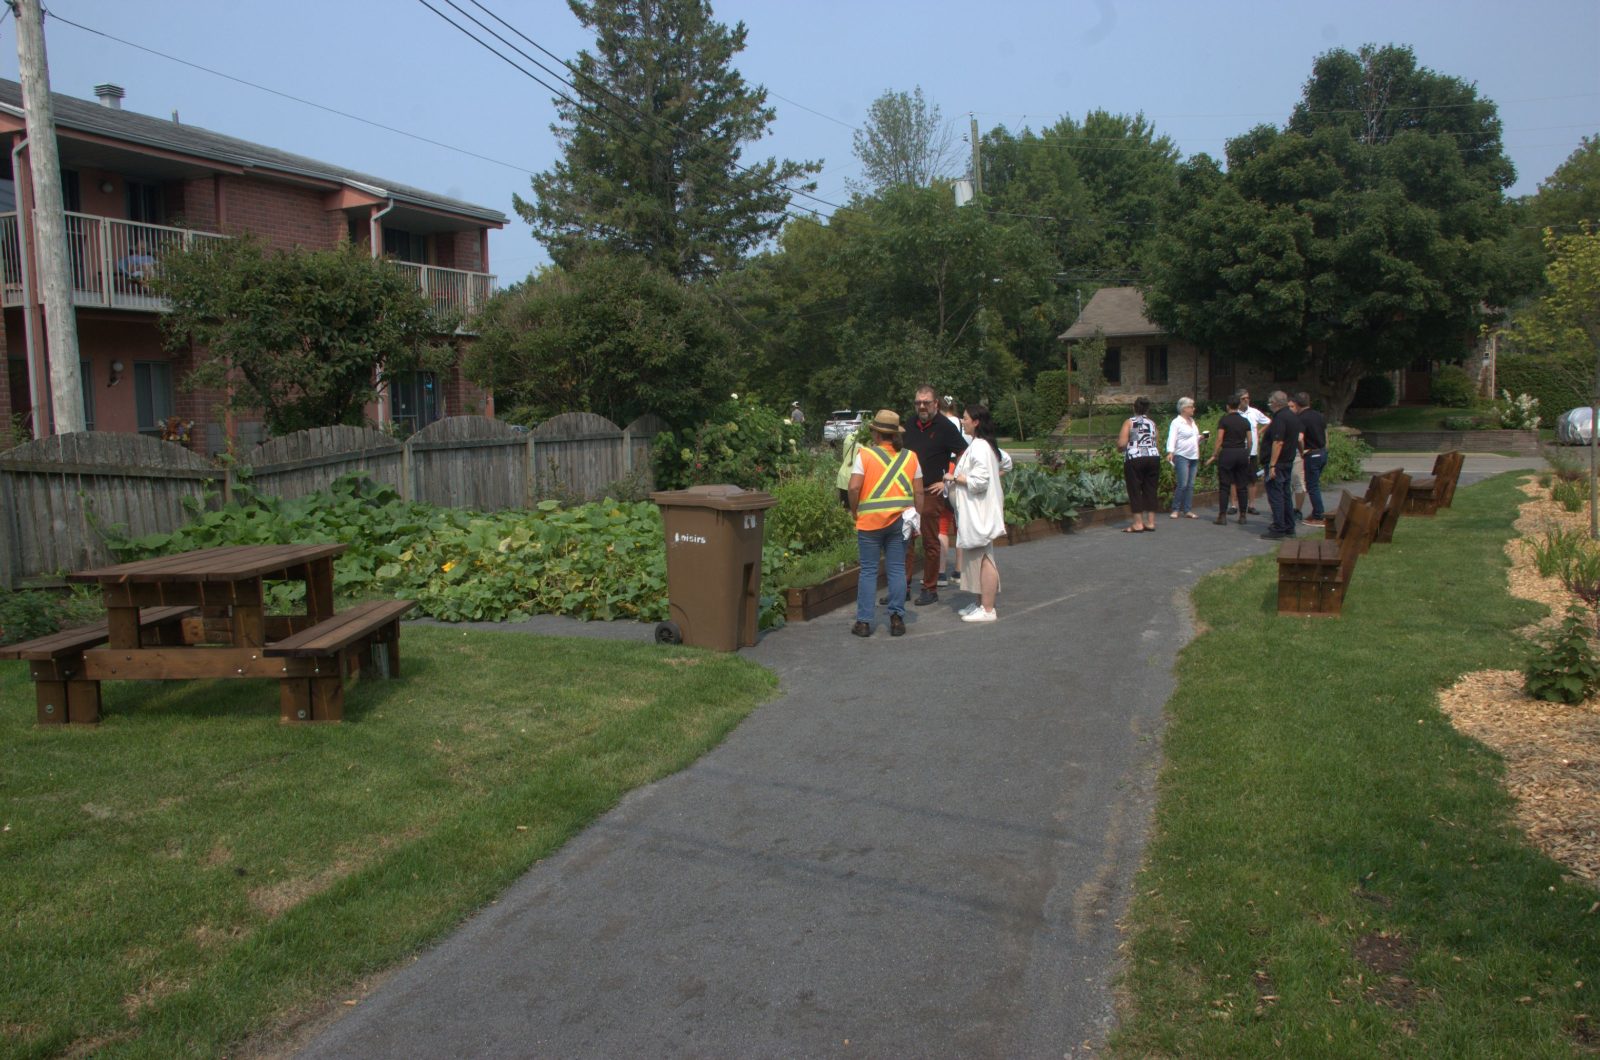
(965, 611)
(980, 615)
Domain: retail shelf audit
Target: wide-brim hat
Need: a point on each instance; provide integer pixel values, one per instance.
(887, 421)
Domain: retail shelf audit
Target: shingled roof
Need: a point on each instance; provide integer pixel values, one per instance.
(83, 116)
(1114, 311)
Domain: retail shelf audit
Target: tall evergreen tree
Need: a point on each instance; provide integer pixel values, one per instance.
(653, 144)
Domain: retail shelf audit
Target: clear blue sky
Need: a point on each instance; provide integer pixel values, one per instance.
(1200, 72)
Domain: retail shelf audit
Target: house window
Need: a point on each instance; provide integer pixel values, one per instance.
(1155, 364)
(88, 394)
(145, 203)
(152, 395)
(405, 246)
(1113, 364)
(415, 400)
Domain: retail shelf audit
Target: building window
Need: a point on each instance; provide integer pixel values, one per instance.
(21, 403)
(405, 246)
(87, 387)
(152, 395)
(1113, 364)
(415, 400)
(1155, 364)
(145, 203)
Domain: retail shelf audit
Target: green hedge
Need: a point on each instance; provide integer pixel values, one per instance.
(1559, 383)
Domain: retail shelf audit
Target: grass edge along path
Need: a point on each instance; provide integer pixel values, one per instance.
(1333, 870)
(191, 873)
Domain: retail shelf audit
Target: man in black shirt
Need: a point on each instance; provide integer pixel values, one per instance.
(1314, 450)
(937, 442)
(1280, 443)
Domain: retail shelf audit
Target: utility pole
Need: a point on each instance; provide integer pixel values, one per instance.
(49, 221)
(977, 167)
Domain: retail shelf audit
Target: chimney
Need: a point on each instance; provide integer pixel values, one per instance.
(109, 96)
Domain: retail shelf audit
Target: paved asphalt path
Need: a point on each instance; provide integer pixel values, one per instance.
(920, 848)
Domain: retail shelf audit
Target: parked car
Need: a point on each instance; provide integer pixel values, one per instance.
(1573, 427)
(840, 425)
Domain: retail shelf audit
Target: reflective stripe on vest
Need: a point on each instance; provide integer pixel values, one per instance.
(891, 490)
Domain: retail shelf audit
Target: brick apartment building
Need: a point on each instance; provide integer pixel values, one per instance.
(135, 185)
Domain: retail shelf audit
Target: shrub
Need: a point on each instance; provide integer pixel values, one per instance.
(1570, 493)
(1558, 383)
(37, 612)
(1346, 453)
(1453, 388)
(1567, 465)
(808, 517)
(742, 442)
(1563, 668)
(1554, 553)
(1051, 400)
(1520, 413)
(1373, 392)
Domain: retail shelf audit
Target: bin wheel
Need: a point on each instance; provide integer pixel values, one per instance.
(668, 633)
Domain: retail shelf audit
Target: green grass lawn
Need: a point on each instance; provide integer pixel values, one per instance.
(190, 872)
(1402, 418)
(1334, 870)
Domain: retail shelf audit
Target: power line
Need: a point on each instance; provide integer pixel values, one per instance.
(631, 105)
(288, 96)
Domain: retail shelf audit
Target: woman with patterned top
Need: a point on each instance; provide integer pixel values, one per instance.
(1141, 466)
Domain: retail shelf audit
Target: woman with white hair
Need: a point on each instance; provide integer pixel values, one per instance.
(1183, 453)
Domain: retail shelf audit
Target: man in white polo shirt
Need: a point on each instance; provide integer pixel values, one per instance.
(1258, 423)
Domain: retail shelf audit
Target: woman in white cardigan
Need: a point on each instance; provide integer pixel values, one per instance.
(974, 487)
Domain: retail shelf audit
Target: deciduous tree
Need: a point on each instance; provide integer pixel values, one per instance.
(306, 337)
(610, 334)
(1364, 236)
(904, 141)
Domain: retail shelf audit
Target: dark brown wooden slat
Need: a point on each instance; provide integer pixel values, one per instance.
(66, 641)
(229, 563)
(340, 631)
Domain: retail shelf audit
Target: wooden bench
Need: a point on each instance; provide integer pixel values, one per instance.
(1313, 575)
(1429, 493)
(1399, 487)
(55, 662)
(365, 635)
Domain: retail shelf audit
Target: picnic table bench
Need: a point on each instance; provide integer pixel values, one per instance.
(1313, 575)
(203, 614)
(1429, 493)
(55, 662)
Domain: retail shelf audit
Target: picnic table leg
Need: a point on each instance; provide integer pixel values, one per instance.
(122, 626)
(319, 590)
(294, 700)
(83, 702)
(327, 698)
(50, 701)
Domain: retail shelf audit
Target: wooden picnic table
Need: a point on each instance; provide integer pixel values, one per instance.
(231, 634)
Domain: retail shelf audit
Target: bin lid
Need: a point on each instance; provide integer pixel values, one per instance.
(721, 498)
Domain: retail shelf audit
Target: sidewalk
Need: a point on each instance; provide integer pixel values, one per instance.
(920, 848)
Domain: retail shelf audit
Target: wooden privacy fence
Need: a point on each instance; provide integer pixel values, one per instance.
(55, 492)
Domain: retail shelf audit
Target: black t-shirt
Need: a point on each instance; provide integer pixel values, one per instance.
(1285, 428)
(1314, 428)
(936, 445)
(1235, 430)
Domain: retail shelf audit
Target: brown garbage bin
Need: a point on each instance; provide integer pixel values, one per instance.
(714, 536)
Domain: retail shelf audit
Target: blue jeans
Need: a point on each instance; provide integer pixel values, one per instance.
(891, 542)
(1183, 493)
(1315, 462)
(1278, 497)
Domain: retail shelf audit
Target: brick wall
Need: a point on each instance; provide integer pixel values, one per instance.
(282, 216)
(196, 204)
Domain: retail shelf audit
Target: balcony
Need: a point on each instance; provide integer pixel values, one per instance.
(111, 260)
(451, 292)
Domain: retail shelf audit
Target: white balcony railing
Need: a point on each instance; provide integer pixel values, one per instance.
(112, 261)
(451, 291)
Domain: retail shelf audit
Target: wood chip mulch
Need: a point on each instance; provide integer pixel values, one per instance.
(1551, 751)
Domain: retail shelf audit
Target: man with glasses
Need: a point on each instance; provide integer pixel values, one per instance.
(937, 442)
